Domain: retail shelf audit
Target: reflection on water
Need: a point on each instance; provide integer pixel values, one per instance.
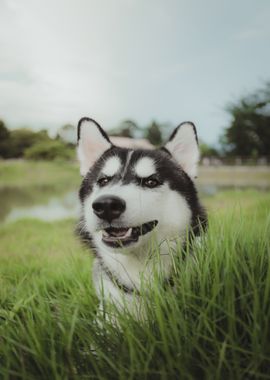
(65, 206)
(38, 202)
(45, 204)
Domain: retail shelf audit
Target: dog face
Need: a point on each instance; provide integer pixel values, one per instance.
(130, 197)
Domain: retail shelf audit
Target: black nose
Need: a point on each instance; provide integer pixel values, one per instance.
(109, 207)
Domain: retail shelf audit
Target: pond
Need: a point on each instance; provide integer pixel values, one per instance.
(39, 203)
(44, 203)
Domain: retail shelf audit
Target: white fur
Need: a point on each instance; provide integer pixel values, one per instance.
(184, 149)
(127, 163)
(91, 145)
(133, 264)
(112, 166)
(145, 167)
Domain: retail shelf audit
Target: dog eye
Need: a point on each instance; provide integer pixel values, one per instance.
(151, 182)
(103, 181)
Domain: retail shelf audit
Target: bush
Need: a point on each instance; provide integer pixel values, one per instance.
(49, 150)
(4, 139)
(23, 138)
(15, 142)
(153, 134)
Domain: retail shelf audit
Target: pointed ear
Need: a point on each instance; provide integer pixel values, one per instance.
(183, 146)
(92, 143)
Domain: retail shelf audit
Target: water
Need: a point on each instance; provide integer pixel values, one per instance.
(47, 205)
(61, 207)
(38, 203)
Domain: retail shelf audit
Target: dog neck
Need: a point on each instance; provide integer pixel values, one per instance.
(129, 268)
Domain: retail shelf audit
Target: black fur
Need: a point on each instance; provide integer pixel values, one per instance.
(167, 171)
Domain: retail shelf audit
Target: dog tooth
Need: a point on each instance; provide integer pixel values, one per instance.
(128, 233)
(105, 233)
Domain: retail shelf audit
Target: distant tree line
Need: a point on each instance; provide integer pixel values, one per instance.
(153, 132)
(249, 131)
(38, 145)
(248, 134)
(29, 144)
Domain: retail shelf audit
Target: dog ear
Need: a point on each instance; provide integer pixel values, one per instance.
(91, 144)
(183, 146)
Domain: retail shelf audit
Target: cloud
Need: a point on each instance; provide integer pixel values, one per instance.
(111, 60)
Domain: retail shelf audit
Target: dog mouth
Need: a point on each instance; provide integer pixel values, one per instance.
(123, 236)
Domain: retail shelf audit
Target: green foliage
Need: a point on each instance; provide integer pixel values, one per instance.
(23, 138)
(127, 128)
(4, 139)
(208, 151)
(29, 144)
(249, 132)
(153, 134)
(4, 133)
(18, 140)
(50, 150)
(214, 325)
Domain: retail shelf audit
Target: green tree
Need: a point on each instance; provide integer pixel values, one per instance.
(50, 150)
(207, 150)
(153, 134)
(127, 128)
(4, 140)
(23, 138)
(249, 132)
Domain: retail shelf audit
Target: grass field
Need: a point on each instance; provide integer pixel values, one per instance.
(24, 174)
(215, 325)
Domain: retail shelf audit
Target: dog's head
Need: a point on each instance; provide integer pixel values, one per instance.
(130, 196)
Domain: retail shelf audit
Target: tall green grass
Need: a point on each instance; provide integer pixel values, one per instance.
(215, 324)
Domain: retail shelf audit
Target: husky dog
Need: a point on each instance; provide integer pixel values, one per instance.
(130, 198)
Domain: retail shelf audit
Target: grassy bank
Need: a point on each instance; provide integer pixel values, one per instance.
(258, 176)
(21, 174)
(214, 326)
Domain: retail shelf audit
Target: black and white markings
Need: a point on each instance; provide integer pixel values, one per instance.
(174, 167)
(144, 167)
(183, 146)
(160, 204)
(111, 166)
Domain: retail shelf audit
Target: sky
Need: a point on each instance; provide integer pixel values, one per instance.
(144, 60)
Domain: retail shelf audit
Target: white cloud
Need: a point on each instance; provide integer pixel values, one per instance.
(113, 59)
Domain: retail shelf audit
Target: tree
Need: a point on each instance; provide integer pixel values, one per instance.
(127, 128)
(23, 138)
(4, 139)
(207, 150)
(249, 132)
(49, 150)
(153, 134)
